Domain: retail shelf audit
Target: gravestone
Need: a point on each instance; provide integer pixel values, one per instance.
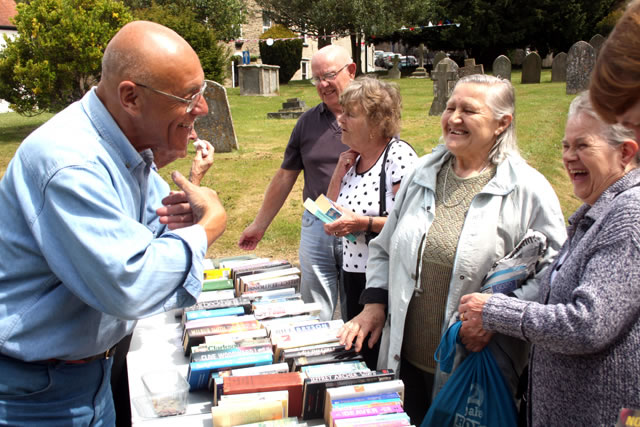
(518, 56)
(440, 55)
(559, 68)
(217, 126)
(580, 62)
(547, 61)
(420, 72)
(502, 67)
(394, 72)
(597, 41)
(531, 68)
(470, 68)
(259, 79)
(444, 79)
(292, 109)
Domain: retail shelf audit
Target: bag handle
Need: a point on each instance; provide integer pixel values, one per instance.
(383, 177)
(446, 351)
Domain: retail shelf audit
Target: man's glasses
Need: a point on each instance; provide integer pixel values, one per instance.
(329, 77)
(191, 102)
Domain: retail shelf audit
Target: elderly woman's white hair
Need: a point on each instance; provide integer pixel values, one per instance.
(501, 99)
(614, 134)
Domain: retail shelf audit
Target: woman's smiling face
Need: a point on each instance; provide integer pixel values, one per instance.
(591, 163)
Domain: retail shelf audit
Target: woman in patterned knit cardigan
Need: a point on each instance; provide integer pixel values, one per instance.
(585, 328)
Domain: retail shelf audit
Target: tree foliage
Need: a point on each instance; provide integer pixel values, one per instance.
(57, 55)
(223, 16)
(325, 18)
(284, 53)
(214, 57)
(489, 28)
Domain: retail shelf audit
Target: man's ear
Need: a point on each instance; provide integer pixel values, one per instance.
(629, 148)
(129, 97)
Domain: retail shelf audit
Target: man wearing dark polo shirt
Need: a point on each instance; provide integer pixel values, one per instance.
(314, 147)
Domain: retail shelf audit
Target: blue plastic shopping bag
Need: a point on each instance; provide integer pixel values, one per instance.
(475, 395)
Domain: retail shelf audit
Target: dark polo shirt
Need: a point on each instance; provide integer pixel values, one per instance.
(314, 147)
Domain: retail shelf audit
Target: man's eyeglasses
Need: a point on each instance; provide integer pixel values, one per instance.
(329, 77)
(191, 102)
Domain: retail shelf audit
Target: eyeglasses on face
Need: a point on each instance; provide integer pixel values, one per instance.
(329, 77)
(191, 102)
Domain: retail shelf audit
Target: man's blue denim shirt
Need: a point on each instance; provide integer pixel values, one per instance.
(82, 253)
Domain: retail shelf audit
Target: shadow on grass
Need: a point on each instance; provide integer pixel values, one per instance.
(15, 134)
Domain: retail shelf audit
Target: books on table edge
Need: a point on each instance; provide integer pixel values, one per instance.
(196, 336)
(291, 381)
(199, 372)
(205, 322)
(386, 420)
(280, 282)
(360, 390)
(215, 312)
(240, 413)
(243, 302)
(242, 281)
(314, 393)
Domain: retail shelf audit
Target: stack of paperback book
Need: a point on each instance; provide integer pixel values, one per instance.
(267, 358)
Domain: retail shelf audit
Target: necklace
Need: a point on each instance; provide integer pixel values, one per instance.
(444, 187)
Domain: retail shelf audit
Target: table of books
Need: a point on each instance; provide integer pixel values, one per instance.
(252, 350)
(157, 345)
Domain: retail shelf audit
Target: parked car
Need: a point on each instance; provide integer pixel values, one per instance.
(408, 61)
(388, 59)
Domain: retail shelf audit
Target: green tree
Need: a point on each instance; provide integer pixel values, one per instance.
(284, 53)
(489, 28)
(214, 56)
(223, 16)
(57, 55)
(326, 18)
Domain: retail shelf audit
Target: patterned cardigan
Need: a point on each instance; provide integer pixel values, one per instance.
(585, 331)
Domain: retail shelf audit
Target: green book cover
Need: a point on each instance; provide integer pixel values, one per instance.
(217, 284)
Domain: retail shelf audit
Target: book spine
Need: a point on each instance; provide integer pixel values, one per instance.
(267, 285)
(366, 411)
(222, 303)
(231, 352)
(217, 284)
(318, 351)
(199, 372)
(315, 391)
(218, 312)
(193, 337)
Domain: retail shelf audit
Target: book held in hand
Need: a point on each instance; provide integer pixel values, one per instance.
(325, 210)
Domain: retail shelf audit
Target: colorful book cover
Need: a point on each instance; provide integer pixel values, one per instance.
(360, 390)
(314, 395)
(216, 312)
(234, 415)
(325, 210)
(209, 285)
(199, 372)
(291, 381)
(217, 273)
(365, 411)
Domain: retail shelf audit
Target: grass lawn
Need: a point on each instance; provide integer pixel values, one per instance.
(242, 176)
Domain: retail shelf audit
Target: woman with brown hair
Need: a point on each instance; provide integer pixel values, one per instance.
(615, 82)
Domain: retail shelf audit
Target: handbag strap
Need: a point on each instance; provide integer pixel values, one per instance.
(383, 182)
(383, 177)
(446, 351)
